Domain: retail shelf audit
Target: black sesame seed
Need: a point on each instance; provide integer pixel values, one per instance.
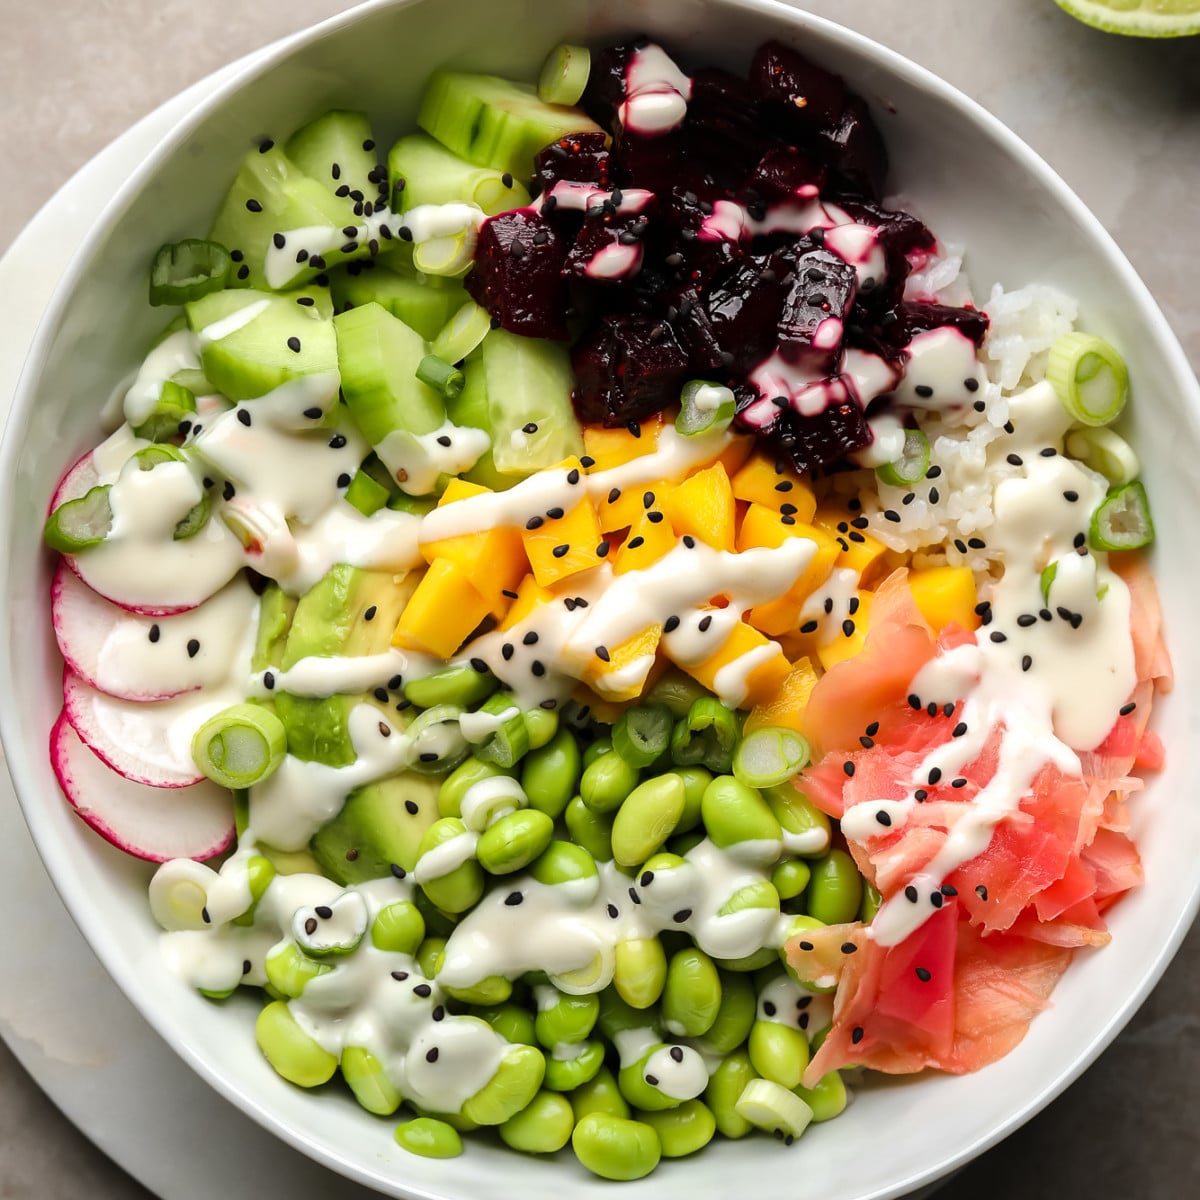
(1026, 619)
(810, 627)
(1046, 614)
(398, 871)
(269, 681)
(959, 729)
(1014, 460)
(587, 461)
(689, 541)
(848, 948)
(370, 612)
(293, 344)
(1026, 662)
(507, 651)
(205, 916)
(856, 1034)
(405, 233)
(613, 911)
(423, 990)
(509, 593)
(923, 390)
(937, 900)
(1126, 709)
(314, 414)
(439, 1013)
(684, 914)
(1071, 496)
(932, 708)
(538, 668)
(236, 255)
(647, 878)
(914, 701)
(1080, 540)
(848, 768)
(671, 624)
(614, 495)
(923, 974)
(960, 545)
(997, 636)
(890, 514)
(573, 476)
(155, 633)
(977, 543)
(602, 654)
(633, 895)
(513, 899)
(828, 605)
(254, 206)
(935, 775)
(559, 551)
(911, 894)
(960, 782)
(193, 648)
(399, 976)
(867, 743)
(428, 756)
(535, 523)
(477, 664)
(381, 695)
(704, 624)
(848, 627)
(343, 480)
(443, 440)
(933, 472)
(784, 485)
(228, 491)
(310, 926)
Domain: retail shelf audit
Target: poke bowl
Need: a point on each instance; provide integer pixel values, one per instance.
(967, 180)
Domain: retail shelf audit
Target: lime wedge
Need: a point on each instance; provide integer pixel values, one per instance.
(1137, 18)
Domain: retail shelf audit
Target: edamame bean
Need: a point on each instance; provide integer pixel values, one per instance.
(513, 1086)
(514, 841)
(735, 1018)
(642, 1084)
(456, 785)
(430, 955)
(259, 873)
(512, 1022)
(640, 971)
(366, 1078)
(692, 994)
(293, 1054)
(677, 691)
(683, 843)
(754, 961)
(489, 991)
(456, 1121)
(600, 1094)
(289, 969)
(398, 927)
(617, 1016)
(591, 830)
(778, 1052)
(790, 878)
(872, 901)
(460, 888)
(550, 774)
(429, 1137)
(564, 1020)
(683, 1130)
(541, 724)
(725, 1087)
(601, 745)
(543, 1127)
(806, 829)
(616, 1148)
(835, 891)
(828, 1099)
(695, 781)
(606, 782)
(566, 1072)
(759, 894)
(646, 819)
(562, 862)
(459, 684)
(734, 813)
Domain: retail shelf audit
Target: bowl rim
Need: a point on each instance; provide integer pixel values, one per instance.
(24, 765)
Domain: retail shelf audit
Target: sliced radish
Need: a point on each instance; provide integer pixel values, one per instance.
(147, 743)
(78, 481)
(140, 610)
(147, 822)
(135, 657)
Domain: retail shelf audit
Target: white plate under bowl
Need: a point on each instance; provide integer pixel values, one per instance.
(977, 185)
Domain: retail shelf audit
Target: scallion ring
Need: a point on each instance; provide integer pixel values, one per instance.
(912, 465)
(185, 271)
(564, 75)
(1089, 377)
(1123, 521)
(769, 756)
(704, 408)
(241, 746)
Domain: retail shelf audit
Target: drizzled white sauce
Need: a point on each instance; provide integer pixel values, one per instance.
(656, 93)
(416, 460)
(177, 352)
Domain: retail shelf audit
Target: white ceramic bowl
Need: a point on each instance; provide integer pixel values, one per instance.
(976, 184)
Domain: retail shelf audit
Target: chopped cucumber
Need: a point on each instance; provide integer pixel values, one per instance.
(470, 408)
(421, 304)
(338, 150)
(564, 74)
(434, 175)
(462, 333)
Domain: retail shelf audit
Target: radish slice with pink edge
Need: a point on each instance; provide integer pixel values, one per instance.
(136, 657)
(78, 481)
(148, 822)
(147, 743)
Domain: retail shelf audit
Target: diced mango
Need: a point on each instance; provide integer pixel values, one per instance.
(442, 612)
(623, 676)
(612, 447)
(494, 559)
(620, 511)
(530, 594)
(650, 537)
(734, 456)
(746, 670)
(786, 707)
(563, 546)
(766, 480)
(702, 505)
(945, 595)
(859, 550)
(847, 646)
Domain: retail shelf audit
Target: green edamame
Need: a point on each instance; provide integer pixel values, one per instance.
(735, 1018)
(616, 1148)
(640, 971)
(759, 894)
(461, 779)
(511, 1021)
(600, 1094)
(691, 997)
(835, 891)
(677, 691)
(515, 1083)
(398, 927)
(460, 684)
(734, 813)
(551, 773)
(601, 745)
(488, 992)
(589, 829)
(293, 1054)
(542, 1127)
(778, 1052)
(606, 782)
(827, 1099)
(564, 1020)
(460, 888)
(647, 818)
(541, 726)
(695, 780)
(259, 873)
(725, 1087)
(562, 862)
(790, 878)
(683, 1130)
(429, 1137)
(806, 828)
(636, 1086)
(289, 969)
(514, 841)
(565, 1074)
(431, 953)
(366, 1078)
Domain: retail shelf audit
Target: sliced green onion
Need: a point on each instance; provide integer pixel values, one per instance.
(81, 523)
(150, 457)
(769, 756)
(772, 1107)
(642, 733)
(912, 465)
(705, 407)
(1123, 521)
(175, 403)
(510, 741)
(194, 380)
(1106, 452)
(194, 519)
(1089, 376)
(1048, 576)
(417, 505)
(185, 271)
(564, 75)
(440, 375)
(452, 254)
(462, 333)
(240, 746)
(437, 741)
(366, 494)
(706, 736)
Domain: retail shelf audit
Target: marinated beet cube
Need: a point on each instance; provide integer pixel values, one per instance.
(899, 231)
(856, 153)
(800, 95)
(605, 91)
(811, 325)
(576, 158)
(744, 304)
(825, 438)
(626, 368)
(780, 173)
(694, 331)
(694, 259)
(609, 247)
(907, 319)
(727, 134)
(517, 275)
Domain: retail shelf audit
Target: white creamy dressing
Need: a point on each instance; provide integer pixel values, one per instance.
(656, 93)
(416, 460)
(177, 352)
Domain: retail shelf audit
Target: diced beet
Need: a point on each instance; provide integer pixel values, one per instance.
(909, 318)
(779, 173)
(744, 304)
(898, 230)
(822, 290)
(724, 126)
(576, 158)
(829, 436)
(605, 91)
(517, 275)
(857, 156)
(627, 368)
(693, 260)
(694, 332)
(800, 94)
(608, 237)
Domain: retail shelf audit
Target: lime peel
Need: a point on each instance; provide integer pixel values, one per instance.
(1147, 18)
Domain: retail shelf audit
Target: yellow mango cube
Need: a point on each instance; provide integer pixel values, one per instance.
(702, 505)
(563, 546)
(770, 482)
(650, 537)
(845, 645)
(442, 612)
(622, 672)
(786, 707)
(945, 595)
(859, 550)
(734, 456)
(494, 559)
(530, 594)
(612, 447)
(621, 507)
(746, 670)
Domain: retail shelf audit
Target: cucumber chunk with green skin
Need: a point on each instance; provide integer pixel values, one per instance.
(434, 175)
(379, 355)
(271, 194)
(423, 306)
(495, 122)
(338, 150)
(529, 383)
(470, 408)
(253, 342)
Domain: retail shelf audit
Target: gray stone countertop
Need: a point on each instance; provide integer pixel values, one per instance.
(1118, 118)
